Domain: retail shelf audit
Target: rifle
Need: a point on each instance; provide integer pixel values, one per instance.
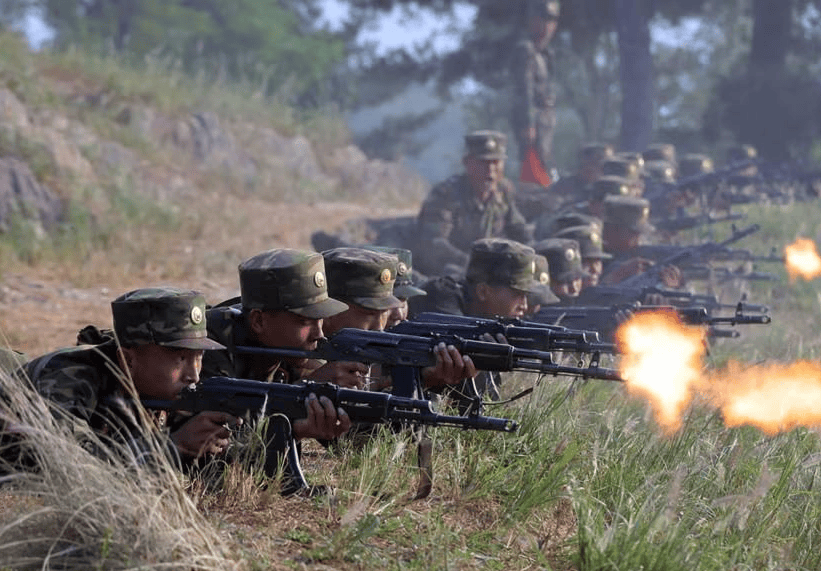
(248, 399)
(690, 254)
(688, 222)
(532, 335)
(707, 273)
(406, 355)
(617, 294)
(604, 318)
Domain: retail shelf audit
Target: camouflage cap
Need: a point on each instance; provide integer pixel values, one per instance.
(542, 294)
(589, 239)
(694, 164)
(570, 219)
(595, 152)
(403, 288)
(628, 212)
(363, 277)
(660, 171)
(285, 279)
(165, 316)
(609, 185)
(486, 145)
(741, 153)
(497, 261)
(620, 167)
(660, 152)
(563, 258)
(547, 9)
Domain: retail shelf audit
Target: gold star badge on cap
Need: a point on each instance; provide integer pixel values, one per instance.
(490, 145)
(319, 279)
(385, 276)
(544, 278)
(401, 269)
(196, 315)
(569, 254)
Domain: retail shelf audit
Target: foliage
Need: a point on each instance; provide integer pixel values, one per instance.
(261, 40)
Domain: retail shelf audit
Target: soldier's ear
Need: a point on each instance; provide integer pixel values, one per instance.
(255, 321)
(482, 291)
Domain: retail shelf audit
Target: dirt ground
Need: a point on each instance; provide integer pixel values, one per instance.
(44, 305)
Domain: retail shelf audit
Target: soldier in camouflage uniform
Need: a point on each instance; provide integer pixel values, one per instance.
(404, 287)
(564, 259)
(592, 250)
(283, 303)
(534, 99)
(365, 280)
(158, 343)
(467, 207)
(499, 277)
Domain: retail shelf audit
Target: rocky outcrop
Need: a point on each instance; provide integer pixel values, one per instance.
(175, 157)
(23, 198)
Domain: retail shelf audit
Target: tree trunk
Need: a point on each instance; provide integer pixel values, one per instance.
(636, 72)
(771, 35)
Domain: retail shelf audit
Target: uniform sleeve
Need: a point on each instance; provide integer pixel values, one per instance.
(73, 387)
(516, 227)
(434, 249)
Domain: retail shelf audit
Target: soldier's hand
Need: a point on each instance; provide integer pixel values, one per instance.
(451, 367)
(323, 420)
(346, 374)
(671, 276)
(205, 433)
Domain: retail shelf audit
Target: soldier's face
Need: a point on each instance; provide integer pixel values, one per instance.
(567, 289)
(594, 267)
(484, 174)
(397, 314)
(543, 30)
(501, 301)
(162, 372)
(358, 317)
(618, 239)
(285, 329)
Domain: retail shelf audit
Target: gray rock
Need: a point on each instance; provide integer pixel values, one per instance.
(21, 195)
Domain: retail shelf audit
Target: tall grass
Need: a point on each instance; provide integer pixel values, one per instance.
(80, 511)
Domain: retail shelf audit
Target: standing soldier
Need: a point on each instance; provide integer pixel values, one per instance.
(534, 113)
(467, 207)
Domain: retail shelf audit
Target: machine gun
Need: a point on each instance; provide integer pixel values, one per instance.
(254, 399)
(404, 356)
(720, 274)
(526, 335)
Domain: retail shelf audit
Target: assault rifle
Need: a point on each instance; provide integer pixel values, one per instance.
(720, 274)
(606, 318)
(687, 222)
(618, 294)
(687, 255)
(254, 399)
(526, 335)
(404, 356)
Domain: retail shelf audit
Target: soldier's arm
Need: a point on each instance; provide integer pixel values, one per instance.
(434, 227)
(524, 107)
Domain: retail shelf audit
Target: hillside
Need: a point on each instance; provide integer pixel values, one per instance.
(114, 177)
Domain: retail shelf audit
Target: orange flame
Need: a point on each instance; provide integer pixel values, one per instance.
(773, 398)
(662, 362)
(802, 259)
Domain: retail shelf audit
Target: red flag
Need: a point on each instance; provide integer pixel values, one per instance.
(533, 170)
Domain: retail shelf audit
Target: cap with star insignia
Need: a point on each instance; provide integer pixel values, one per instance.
(165, 316)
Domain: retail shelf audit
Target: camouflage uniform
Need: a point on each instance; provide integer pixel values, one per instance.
(534, 97)
(86, 382)
(451, 218)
